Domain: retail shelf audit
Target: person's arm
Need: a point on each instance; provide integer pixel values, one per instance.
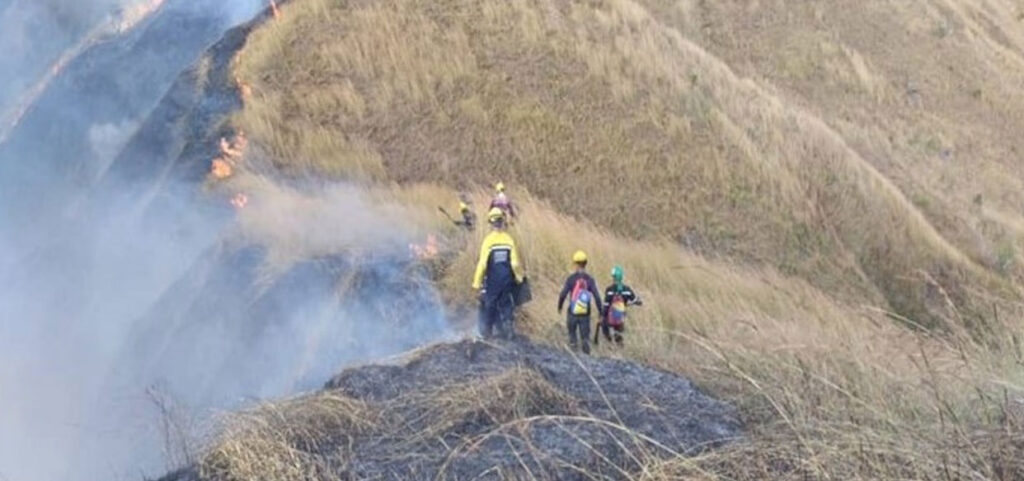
(631, 297)
(481, 263)
(565, 292)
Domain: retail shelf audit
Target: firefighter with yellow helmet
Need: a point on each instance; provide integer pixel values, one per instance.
(498, 273)
(581, 291)
(501, 201)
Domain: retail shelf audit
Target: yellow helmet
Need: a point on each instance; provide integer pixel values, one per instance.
(579, 257)
(500, 187)
(495, 214)
(463, 207)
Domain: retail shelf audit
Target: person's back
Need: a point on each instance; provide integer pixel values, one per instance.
(501, 201)
(468, 217)
(581, 291)
(617, 297)
(497, 273)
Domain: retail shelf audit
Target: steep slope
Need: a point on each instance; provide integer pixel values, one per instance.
(778, 199)
(607, 111)
(927, 91)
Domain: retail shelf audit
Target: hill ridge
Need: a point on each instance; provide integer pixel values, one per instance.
(475, 410)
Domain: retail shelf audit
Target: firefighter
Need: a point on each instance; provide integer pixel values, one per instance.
(501, 201)
(616, 298)
(581, 290)
(498, 272)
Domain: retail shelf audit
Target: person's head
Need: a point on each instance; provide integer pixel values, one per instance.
(579, 259)
(617, 274)
(496, 217)
(500, 187)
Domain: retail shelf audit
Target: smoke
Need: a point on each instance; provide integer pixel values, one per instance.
(32, 36)
(106, 141)
(65, 308)
(37, 34)
(70, 67)
(125, 323)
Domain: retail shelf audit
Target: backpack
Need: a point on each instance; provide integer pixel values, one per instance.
(522, 293)
(500, 201)
(580, 298)
(616, 310)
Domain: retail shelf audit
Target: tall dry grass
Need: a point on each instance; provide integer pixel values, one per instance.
(614, 116)
(281, 441)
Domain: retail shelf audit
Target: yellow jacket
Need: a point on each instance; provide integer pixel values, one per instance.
(497, 242)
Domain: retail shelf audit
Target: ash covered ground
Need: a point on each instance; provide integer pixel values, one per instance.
(474, 410)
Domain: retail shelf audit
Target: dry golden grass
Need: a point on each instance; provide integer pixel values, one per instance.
(616, 116)
(279, 441)
(839, 173)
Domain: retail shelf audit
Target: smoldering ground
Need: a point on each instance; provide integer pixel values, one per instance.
(124, 322)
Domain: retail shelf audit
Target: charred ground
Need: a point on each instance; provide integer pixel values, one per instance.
(475, 410)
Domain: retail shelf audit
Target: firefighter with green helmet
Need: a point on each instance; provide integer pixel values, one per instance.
(617, 297)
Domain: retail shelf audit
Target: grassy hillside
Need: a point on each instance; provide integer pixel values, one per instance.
(784, 182)
(613, 114)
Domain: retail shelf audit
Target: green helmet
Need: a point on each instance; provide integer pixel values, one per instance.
(617, 273)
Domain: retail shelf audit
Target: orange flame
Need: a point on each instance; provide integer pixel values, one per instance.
(231, 152)
(274, 10)
(235, 148)
(220, 168)
(426, 251)
(240, 200)
(243, 88)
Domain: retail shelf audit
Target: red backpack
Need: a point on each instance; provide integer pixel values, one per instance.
(580, 298)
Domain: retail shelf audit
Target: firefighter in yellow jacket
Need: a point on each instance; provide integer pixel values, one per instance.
(498, 272)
